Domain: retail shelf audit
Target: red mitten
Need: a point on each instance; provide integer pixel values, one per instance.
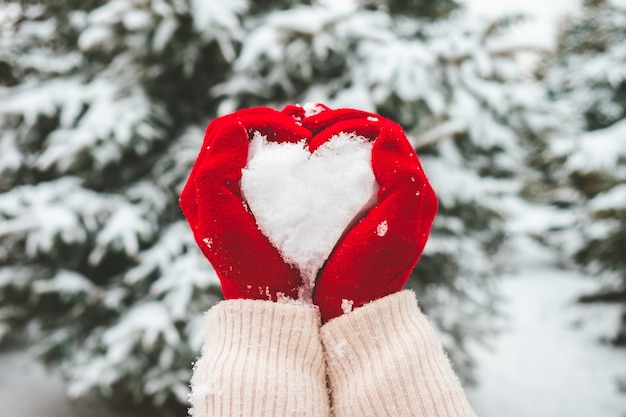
(246, 263)
(376, 256)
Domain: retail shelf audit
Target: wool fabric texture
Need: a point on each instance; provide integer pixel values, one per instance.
(266, 359)
(259, 359)
(386, 360)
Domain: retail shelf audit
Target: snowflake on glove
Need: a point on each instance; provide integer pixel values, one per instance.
(325, 206)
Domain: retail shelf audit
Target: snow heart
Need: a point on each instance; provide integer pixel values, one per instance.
(302, 201)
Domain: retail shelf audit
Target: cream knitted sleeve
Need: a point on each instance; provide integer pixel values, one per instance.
(260, 359)
(385, 360)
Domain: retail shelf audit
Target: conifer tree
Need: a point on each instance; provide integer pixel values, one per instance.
(97, 137)
(587, 79)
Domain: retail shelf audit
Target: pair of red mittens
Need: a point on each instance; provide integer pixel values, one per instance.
(371, 260)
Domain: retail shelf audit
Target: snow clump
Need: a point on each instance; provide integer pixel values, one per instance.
(381, 229)
(303, 202)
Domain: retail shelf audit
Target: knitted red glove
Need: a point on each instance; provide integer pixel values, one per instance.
(246, 263)
(376, 256)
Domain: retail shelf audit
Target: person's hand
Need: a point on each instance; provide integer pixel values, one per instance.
(246, 263)
(375, 257)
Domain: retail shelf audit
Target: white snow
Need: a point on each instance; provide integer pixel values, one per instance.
(107, 129)
(27, 389)
(311, 109)
(537, 34)
(177, 283)
(453, 182)
(65, 225)
(10, 13)
(59, 64)
(94, 37)
(543, 16)
(610, 200)
(137, 20)
(339, 349)
(210, 13)
(346, 305)
(10, 155)
(66, 282)
(381, 229)
(600, 149)
(549, 359)
(142, 325)
(303, 202)
(39, 29)
(124, 231)
(164, 33)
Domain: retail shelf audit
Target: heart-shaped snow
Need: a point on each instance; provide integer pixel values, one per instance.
(303, 202)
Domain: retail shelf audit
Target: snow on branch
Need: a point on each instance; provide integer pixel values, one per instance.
(147, 328)
(46, 213)
(179, 267)
(63, 212)
(64, 282)
(151, 27)
(174, 241)
(602, 150)
(98, 123)
(453, 183)
(446, 130)
(142, 325)
(123, 232)
(610, 200)
(185, 275)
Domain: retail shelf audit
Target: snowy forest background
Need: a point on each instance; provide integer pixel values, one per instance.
(102, 110)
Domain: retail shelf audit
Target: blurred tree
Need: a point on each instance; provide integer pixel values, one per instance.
(433, 9)
(102, 105)
(587, 78)
(96, 141)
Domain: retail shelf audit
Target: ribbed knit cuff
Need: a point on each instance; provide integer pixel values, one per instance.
(385, 360)
(260, 358)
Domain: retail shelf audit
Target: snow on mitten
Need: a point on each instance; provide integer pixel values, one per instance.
(375, 257)
(246, 263)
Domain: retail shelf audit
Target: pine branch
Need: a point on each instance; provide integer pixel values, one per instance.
(515, 49)
(12, 227)
(444, 131)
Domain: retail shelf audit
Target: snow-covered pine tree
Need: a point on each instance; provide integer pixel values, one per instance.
(102, 107)
(587, 78)
(456, 88)
(96, 101)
